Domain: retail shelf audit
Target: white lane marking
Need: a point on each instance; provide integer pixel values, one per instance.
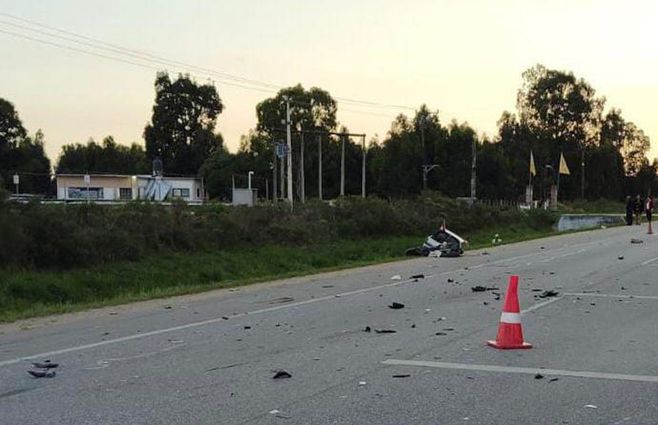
(202, 323)
(266, 310)
(540, 305)
(592, 294)
(526, 370)
(644, 263)
(568, 254)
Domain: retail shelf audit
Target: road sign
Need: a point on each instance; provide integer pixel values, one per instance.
(281, 150)
(87, 179)
(16, 179)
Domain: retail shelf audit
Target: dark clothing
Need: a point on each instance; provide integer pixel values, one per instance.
(629, 212)
(639, 207)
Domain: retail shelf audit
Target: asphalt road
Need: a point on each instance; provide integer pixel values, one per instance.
(210, 358)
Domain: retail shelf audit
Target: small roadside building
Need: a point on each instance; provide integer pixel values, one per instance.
(123, 188)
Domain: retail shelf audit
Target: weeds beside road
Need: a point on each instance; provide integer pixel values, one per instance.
(62, 258)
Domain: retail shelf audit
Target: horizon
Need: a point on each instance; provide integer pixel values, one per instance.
(473, 80)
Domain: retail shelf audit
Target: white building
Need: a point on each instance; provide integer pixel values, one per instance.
(121, 188)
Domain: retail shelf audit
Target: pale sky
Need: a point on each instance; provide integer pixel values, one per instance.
(464, 58)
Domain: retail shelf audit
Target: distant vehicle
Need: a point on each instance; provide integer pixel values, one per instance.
(447, 243)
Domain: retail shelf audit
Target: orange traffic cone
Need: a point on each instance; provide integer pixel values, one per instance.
(510, 332)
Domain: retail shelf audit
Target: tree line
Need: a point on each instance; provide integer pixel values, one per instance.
(556, 113)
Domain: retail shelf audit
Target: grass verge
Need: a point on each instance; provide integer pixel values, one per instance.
(25, 294)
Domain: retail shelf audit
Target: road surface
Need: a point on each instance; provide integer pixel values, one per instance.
(210, 358)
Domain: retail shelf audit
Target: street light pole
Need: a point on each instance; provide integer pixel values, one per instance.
(363, 168)
(320, 166)
(289, 140)
(342, 166)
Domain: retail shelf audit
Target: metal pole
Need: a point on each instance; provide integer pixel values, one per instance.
(267, 189)
(582, 173)
(288, 136)
(281, 178)
(302, 194)
(422, 140)
(342, 167)
(274, 166)
(473, 169)
(320, 166)
(363, 169)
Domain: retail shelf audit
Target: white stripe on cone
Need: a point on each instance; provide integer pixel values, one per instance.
(514, 318)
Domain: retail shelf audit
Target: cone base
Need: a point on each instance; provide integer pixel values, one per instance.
(522, 346)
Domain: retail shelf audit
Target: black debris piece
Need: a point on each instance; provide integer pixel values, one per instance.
(485, 253)
(497, 295)
(549, 293)
(637, 240)
(541, 247)
(621, 257)
(247, 327)
(396, 306)
(623, 288)
(367, 329)
(479, 288)
(281, 374)
(42, 373)
(536, 290)
(553, 379)
(418, 276)
(440, 334)
(448, 329)
(551, 272)
(327, 286)
(413, 326)
(167, 307)
(539, 376)
(224, 318)
(385, 331)
(46, 364)
(450, 280)
(485, 303)
(404, 375)
(592, 303)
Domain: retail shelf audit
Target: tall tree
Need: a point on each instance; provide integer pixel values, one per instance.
(182, 127)
(107, 157)
(21, 154)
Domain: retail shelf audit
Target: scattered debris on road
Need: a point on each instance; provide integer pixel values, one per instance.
(42, 374)
(327, 286)
(553, 379)
(362, 383)
(396, 277)
(440, 334)
(396, 306)
(403, 375)
(247, 327)
(621, 257)
(636, 241)
(591, 406)
(450, 280)
(367, 329)
(479, 288)
(539, 376)
(281, 374)
(385, 331)
(46, 364)
(548, 294)
(282, 300)
(418, 276)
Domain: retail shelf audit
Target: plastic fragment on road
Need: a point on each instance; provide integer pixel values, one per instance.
(548, 294)
(396, 306)
(42, 374)
(402, 375)
(281, 374)
(636, 241)
(591, 406)
(46, 364)
(385, 331)
(396, 277)
(418, 276)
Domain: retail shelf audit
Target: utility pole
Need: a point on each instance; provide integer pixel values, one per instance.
(267, 189)
(320, 166)
(281, 176)
(473, 169)
(342, 166)
(582, 173)
(421, 123)
(289, 140)
(363, 168)
(274, 165)
(302, 195)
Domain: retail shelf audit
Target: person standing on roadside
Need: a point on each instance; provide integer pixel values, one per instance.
(629, 210)
(648, 210)
(638, 209)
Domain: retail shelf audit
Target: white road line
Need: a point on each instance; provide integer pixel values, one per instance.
(525, 370)
(644, 263)
(9, 362)
(201, 323)
(592, 294)
(540, 305)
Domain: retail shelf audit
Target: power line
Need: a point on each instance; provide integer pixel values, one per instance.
(96, 43)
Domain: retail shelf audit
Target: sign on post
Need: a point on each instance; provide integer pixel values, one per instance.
(87, 179)
(16, 179)
(281, 150)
